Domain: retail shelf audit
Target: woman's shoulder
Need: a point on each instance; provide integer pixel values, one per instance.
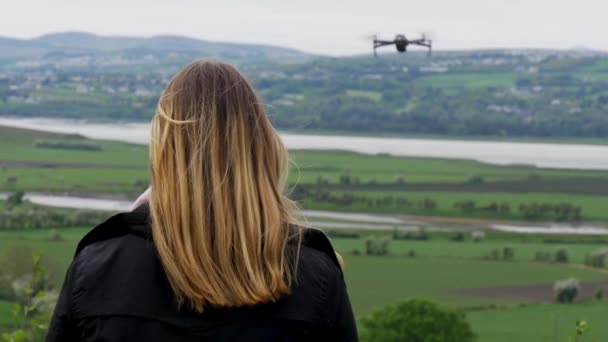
(316, 242)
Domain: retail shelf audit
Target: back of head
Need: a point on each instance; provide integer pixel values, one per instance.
(218, 170)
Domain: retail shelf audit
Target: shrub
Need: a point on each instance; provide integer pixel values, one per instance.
(566, 290)
(494, 254)
(55, 236)
(542, 256)
(411, 253)
(599, 294)
(597, 258)
(477, 180)
(562, 255)
(419, 234)
(478, 235)
(355, 252)
(416, 320)
(34, 303)
(16, 198)
(508, 253)
(400, 179)
(458, 237)
(377, 246)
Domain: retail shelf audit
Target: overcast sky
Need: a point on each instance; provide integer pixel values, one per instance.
(333, 27)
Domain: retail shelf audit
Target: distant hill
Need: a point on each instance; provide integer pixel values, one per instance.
(75, 42)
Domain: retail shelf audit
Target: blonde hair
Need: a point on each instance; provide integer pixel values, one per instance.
(219, 217)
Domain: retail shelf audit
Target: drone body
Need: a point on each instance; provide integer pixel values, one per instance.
(401, 43)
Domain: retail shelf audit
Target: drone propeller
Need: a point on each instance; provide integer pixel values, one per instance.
(428, 35)
(371, 36)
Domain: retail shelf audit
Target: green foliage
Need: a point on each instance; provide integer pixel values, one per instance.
(16, 198)
(581, 329)
(566, 290)
(598, 258)
(69, 145)
(416, 320)
(562, 255)
(40, 217)
(393, 95)
(418, 234)
(478, 235)
(599, 294)
(31, 314)
(508, 253)
(377, 246)
(543, 256)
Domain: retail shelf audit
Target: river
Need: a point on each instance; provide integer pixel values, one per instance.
(337, 220)
(553, 155)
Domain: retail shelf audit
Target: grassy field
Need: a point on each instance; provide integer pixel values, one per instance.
(594, 207)
(5, 313)
(123, 168)
(440, 268)
(524, 250)
(540, 323)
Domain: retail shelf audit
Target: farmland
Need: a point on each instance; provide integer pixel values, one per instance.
(440, 269)
(445, 266)
(122, 169)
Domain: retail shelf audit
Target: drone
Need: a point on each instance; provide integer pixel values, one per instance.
(401, 43)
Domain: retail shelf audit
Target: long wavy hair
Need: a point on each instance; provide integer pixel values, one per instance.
(219, 216)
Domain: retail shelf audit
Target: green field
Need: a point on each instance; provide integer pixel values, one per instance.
(594, 207)
(122, 168)
(5, 313)
(444, 248)
(441, 266)
(540, 323)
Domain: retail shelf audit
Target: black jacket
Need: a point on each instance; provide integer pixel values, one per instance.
(116, 290)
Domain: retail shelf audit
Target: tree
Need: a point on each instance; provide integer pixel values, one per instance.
(562, 255)
(16, 198)
(416, 320)
(566, 290)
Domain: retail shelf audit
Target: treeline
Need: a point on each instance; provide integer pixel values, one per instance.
(38, 217)
(559, 212)
(68, 145)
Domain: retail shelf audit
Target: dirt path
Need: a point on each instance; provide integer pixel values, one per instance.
(532, 293)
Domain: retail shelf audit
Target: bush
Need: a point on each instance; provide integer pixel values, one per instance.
(419, 234)
(355, 252)
(416, 320)
(377, 246)
(562, 255)
(494, 255)
(458, 237)
(411, 253)
(508, 253)
(478, 235)
(566, 290)
(542, 256)
(599, 294)
(16, 198)
(55, 236)
(597, 258)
